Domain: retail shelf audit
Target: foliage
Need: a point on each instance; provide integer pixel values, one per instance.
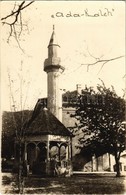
(100, 115)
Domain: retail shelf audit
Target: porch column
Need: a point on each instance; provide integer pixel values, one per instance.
(59, 153)
(92, 162)
(25, 152)
(69, 164)
(96, 163)
(69, 155)
(36, 151)
(15, 151)
(47, 158)
(47, 150)
(109, 158)
(71, 148)
(67, 152)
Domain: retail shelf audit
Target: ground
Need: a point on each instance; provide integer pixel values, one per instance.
(81, 184)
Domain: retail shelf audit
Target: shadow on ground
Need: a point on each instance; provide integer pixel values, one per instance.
(70, 185)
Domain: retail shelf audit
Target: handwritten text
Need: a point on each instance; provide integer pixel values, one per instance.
(100, 13)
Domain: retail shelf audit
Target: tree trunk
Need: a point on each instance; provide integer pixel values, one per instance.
(20, 176)
(118, 174)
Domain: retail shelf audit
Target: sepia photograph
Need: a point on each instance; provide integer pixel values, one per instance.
(63, 97)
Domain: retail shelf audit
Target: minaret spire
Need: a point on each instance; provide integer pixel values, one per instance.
(53, 40)
(53, 68)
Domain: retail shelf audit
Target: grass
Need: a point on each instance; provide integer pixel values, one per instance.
(71, 185)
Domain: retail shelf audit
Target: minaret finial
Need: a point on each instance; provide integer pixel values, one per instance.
(53, 27)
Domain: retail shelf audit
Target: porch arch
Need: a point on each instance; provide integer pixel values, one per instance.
(42, 152)
(31, 153)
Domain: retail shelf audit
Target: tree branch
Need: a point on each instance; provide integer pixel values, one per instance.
(100, 61)
(13, 25)
(16, 13)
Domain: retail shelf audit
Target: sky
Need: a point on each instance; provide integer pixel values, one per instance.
(85, 30)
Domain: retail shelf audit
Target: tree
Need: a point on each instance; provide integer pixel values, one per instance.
(100, 115)
(14, 122)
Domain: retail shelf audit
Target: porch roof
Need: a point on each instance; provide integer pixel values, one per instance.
(45, 123)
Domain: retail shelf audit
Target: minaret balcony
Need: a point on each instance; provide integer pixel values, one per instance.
(52, 64)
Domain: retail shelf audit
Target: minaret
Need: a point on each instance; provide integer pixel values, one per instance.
(53, 68)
